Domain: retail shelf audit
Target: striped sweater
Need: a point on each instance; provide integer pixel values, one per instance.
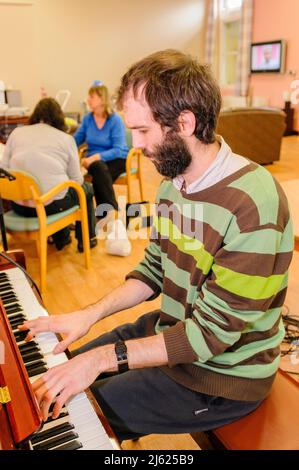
(220, 258)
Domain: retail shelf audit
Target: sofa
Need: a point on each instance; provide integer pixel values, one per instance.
(255, 133)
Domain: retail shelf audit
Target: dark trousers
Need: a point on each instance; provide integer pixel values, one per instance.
(103, 176)
(60, 205)
(146, 401)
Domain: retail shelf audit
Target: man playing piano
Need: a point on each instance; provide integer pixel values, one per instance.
(219, 253)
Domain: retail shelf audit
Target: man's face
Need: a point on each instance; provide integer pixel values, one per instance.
(166, 149)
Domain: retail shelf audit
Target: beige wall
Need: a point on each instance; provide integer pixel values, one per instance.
(19, 65)
(73, 42)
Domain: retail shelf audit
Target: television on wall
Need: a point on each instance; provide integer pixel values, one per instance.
(268, 57)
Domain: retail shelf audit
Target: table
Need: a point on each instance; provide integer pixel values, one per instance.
(9, 123)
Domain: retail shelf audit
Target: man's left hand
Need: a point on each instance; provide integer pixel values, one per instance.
(62, 382)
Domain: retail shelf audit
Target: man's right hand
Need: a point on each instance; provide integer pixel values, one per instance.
(72, 325)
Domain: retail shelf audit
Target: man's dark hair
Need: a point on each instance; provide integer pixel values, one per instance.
(175, 82)
(48, 111)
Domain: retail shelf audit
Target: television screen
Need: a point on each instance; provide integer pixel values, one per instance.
(267, 57)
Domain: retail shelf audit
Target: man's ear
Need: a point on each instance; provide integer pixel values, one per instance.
(186, 123)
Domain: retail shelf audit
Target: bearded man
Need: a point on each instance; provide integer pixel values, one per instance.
(220, 249)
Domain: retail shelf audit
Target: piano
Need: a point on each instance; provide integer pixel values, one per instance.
(81, 424)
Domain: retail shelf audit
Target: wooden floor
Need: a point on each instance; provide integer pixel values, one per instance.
(70, 286)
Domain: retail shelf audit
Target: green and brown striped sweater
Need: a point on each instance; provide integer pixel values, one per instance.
(220, 258)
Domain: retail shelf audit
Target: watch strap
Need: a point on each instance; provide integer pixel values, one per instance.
(120, 349)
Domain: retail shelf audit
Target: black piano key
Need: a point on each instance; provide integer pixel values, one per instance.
(62, 415)
(32, 355)
(39, 363)
(30, 346)
(13, 310)
(15, 323)
(17, 317)
(20, 335)
(56, 441)
(8, 295)
(55, 431)
(8, 289)
(12, 306)
(73, 445)
(32, 363)
(5, 286)
(37, 371)
(51, 408)
(8, 302)
(11, 316)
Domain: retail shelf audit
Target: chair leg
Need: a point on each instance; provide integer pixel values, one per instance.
(85, 238)
(42, 251)
(140, 187)
(129, 189)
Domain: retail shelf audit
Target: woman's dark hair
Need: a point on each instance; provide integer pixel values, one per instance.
(175, 82)
(48, 111)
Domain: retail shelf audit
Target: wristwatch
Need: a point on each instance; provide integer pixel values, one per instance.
(121, 355)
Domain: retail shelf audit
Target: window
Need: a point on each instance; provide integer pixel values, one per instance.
(230, 27)
(228, 5)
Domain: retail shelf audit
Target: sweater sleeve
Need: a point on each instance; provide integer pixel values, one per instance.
(247, 275)
(117, 140)
(149, 270)
(80, 134)
(73, 169)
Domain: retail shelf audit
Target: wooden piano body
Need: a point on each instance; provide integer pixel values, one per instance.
(20, 417)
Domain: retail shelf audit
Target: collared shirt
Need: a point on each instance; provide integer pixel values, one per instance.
(226, 163)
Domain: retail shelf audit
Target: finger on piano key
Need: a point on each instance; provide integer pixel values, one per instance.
(38, 325)
(60, 402)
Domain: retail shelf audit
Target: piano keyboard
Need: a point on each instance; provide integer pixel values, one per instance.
(78, 426)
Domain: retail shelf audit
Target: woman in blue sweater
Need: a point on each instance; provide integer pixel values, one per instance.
(104, 133)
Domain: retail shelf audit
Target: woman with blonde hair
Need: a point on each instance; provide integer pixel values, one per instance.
(105, 135)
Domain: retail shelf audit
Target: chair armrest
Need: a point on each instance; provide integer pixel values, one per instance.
(133, 152)
(41, 200)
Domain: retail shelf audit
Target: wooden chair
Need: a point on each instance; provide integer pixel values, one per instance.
(132, 173)
(39, 228)
(273, 425)
(133, 168)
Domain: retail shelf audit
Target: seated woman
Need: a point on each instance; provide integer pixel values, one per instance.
(45, 151)
(104, 133)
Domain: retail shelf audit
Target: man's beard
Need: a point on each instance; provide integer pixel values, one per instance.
(172, 157)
